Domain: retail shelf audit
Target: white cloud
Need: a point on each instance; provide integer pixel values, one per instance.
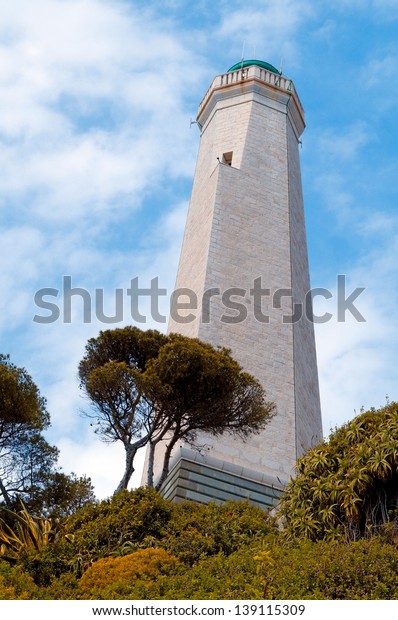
(91, 96)
(346, 143)
(378, 70)
(356, 360)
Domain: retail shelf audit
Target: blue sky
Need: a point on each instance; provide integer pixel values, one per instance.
(97, 158)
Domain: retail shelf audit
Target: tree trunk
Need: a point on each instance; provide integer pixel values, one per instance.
(5, 495)
(131, 451)
(151, 458)
(166, 460)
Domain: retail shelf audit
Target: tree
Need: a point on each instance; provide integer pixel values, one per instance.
(129, 344)
(347, 487)
(24, 454)
(121, 411)
(147, 388)
(61, 495)
(197, 388)
(20, 400)
(27, 461)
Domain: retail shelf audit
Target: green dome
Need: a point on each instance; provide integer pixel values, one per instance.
(249, 63)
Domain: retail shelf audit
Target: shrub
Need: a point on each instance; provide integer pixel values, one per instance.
(219, 577)
(34, 543)
(27, 532)
(64, 587)
(347, 487)
(142, 518)
(47, 563)
(360, 570)
(328, 570)
(197, 530)
(126, 576)
(16, 584)
(117, 525)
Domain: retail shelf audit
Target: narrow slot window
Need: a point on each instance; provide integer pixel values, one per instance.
(227, 158)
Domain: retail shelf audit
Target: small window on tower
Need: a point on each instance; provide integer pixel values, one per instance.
(227, 158)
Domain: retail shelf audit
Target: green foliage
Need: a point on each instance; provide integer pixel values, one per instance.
(142, 518)
(28, 533)
(306, 570)
(115, 390)
(62, 495)
(25, 457)
(339, 541)
(16, 584)
(146, 386)
(62, 587)
(118, 525)
(128, 344)
(205, 388)
(232, 577)
(347, 487)
(197, 531)
(48, 563)
(365, 569)
(20, 400)
(34, 544)
(129, 576)
(139, 546)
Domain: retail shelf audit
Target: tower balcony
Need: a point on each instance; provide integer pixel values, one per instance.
(252, 79)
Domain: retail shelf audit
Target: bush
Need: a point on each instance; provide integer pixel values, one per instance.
(48, 563)
(360, 570)
(219, 577)
(121, 524)
(197, 531)
(142, 518)
(347, 487)
(129, 576)
(16, 584)
(230, 552)
(64, 587)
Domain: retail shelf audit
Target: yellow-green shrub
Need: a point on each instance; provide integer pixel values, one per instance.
(15, 584)
(331, 570)
(128, 517)
(120, 577)
(196, 530)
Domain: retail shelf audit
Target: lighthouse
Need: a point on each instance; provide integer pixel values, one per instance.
(244, 271)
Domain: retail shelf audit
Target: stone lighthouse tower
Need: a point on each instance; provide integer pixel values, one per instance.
(244, 259)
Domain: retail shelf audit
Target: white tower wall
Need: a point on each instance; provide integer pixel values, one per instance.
(246, 221)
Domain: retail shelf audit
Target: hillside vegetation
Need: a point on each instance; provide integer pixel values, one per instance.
(332, 537)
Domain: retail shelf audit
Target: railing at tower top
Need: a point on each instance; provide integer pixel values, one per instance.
(263, 75)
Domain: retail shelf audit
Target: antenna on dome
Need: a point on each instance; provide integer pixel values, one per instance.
(281, 65)
(243, 53)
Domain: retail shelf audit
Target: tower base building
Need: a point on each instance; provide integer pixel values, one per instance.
(244, 259)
